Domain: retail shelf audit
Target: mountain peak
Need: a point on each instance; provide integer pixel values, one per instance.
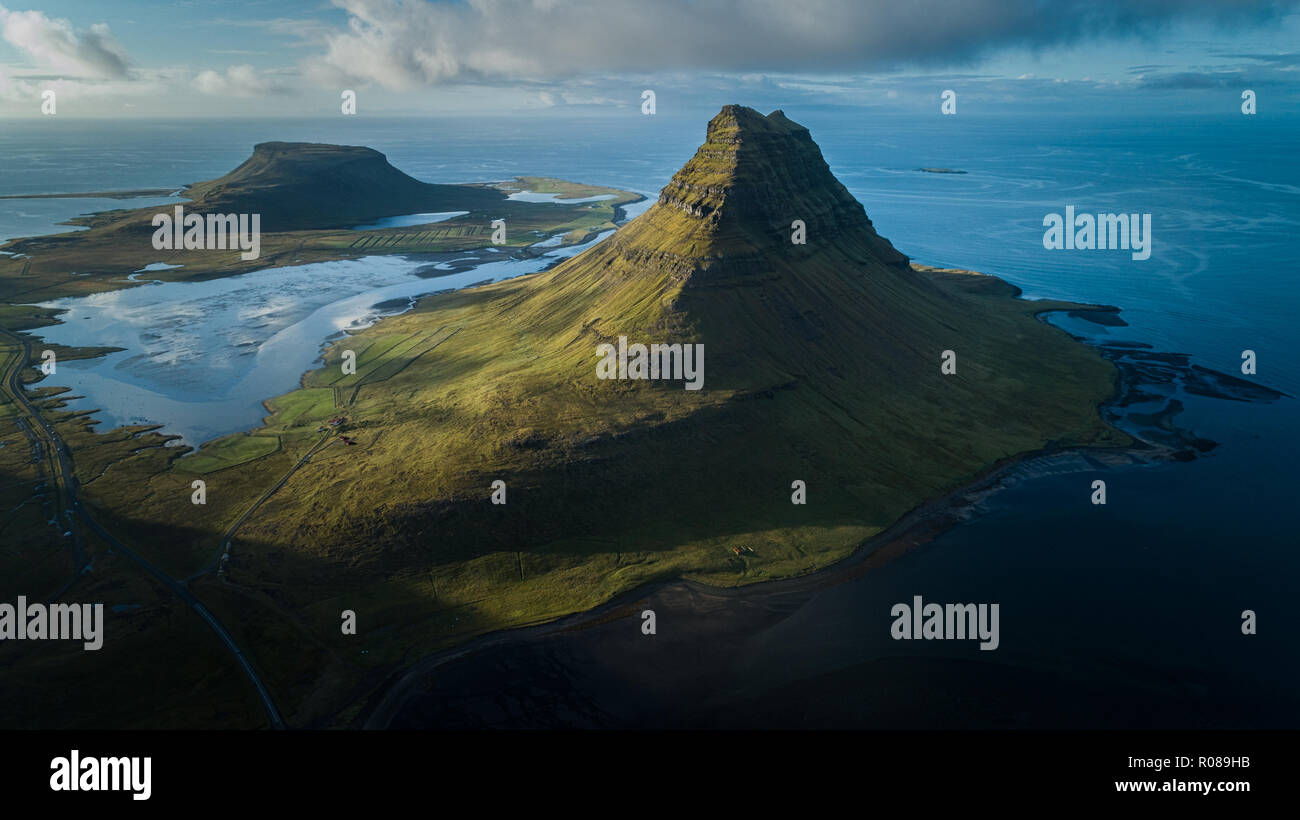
(739, 121)
(718, 258)
(740, 194)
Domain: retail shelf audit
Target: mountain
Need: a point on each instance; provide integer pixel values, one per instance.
(822, 365)
(301, 185)
(714, 259)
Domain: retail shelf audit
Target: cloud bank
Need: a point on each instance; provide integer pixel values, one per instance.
(235, 81)
(405, 43)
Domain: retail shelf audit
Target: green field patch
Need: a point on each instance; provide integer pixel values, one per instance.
(240, 448)
(333, 370)
(382, 350)
(303, 406)
(564, 189)
(23, 317)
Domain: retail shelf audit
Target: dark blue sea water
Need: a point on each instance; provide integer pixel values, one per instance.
(1154, 582)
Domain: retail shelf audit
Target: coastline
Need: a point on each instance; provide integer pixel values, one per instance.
(728, 616)
(136, 193)
(915, 528)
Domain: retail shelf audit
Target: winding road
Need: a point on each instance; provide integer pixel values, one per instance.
(66, 480)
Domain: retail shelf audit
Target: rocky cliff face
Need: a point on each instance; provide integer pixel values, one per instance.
(754, 176)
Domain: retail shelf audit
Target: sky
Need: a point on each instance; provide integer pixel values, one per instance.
(267, 58)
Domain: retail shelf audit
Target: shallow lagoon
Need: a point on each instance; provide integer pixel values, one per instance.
(410, 220)
(199, 358)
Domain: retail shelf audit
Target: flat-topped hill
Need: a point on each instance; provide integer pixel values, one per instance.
(301, 185)
(310, 198)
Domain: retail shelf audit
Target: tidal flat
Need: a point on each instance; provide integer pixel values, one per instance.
(199, 358)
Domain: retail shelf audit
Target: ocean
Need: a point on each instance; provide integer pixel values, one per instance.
(1144, 594)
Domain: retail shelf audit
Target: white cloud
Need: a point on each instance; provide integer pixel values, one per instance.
(22, 94)
(55, 45)
(236, 81)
